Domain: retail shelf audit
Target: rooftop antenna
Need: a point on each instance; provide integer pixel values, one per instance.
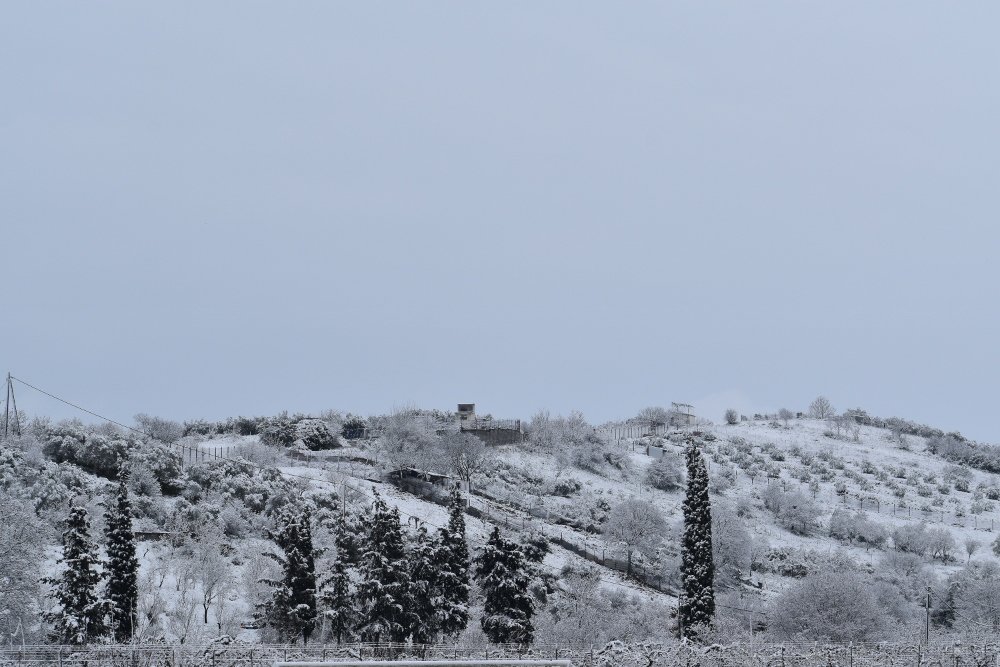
(11, 401)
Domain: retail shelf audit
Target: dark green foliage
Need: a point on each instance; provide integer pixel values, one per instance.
(422, 593)
(453, 577)
(353, 429)
(507, 608)
(336, 596)
(80, 616)
(279, 432)
(99, 454)
(292, 609)
(697, 605)
(315, 435)
(382, 591)
(122, 565)
(165, 464)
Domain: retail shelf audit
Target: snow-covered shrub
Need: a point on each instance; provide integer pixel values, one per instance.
(165, 465)
(911, 538)
(315, 435)
(280, 431)
(793, 511)
(850, 527)
(98, 454)
(354, 428)
(566, 487)
(665, 474)
(160, 429)
(238, 480)
(781, 561)
(940, 544)
(198, 427)
(410, 440)
(732, 417)
(829, 606)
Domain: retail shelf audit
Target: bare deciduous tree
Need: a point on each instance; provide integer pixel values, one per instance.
(467, 455)
(821, 408)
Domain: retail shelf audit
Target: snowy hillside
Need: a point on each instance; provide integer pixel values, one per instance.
(793, 501)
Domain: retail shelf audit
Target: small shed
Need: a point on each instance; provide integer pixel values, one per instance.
(466, 412)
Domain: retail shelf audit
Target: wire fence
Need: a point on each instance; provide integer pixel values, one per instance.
(615, 654)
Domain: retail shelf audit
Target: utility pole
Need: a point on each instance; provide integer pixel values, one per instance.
(927, 617)
(11, 401)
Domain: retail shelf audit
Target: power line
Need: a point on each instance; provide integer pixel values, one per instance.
(362, 492)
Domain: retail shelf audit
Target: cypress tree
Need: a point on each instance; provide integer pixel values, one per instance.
(453, 576)
(337, 588)
(122, 565)
(292, 610)
(381, 594)
(80, 617)
(697, 605)
(507, 608)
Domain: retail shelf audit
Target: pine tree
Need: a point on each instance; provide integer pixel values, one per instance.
(80, 617)
(122, 565)
(423, 591)
(382, 592)
(507, 609)
(292, 609)
(336, 597)
(697, 605)
(453, 576)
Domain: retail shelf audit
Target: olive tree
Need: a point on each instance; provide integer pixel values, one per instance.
(637, 525)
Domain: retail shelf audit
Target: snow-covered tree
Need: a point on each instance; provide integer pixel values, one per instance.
(821, 408)
(665, 474)
(80, 616)
(122, 566)
(697, 604)
(452, 558)
(20, 549)
(422, 593)
(637, 525)
(830, 606)
(507, 608)
(292, 610)
(381, 593)
(336, 596)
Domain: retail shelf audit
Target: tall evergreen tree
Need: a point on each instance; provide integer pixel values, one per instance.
(336, 596)
(423, 590)
(382, 591)
(80, 617)
(697, 605)
(292, 609)
(453, 575)
(508, 608)
(122, 565)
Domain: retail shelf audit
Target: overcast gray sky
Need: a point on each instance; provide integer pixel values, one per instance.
(212, 209)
